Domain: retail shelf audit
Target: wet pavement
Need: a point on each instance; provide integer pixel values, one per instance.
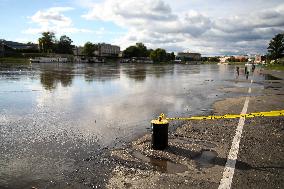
(71, 126)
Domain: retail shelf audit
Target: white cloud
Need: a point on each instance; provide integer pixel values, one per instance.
(53, 20)
(157, 24)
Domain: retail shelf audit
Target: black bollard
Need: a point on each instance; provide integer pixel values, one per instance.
(160, 133)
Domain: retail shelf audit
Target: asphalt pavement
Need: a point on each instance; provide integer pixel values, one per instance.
(199, 151)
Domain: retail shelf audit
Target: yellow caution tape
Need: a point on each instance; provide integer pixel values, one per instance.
(230, 116)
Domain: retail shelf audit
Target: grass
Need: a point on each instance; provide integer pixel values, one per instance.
(14, 60)
(275, 67)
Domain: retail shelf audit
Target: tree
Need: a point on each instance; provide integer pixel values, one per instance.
(171, 56)
(139, 50)
(158, 55)
(130, 52)
(232, 59)
(276, 46)
(215, 59)
(46, 42)
(64, 45)
(89, 49)
(149, 52)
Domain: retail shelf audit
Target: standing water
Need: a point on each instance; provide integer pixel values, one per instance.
(53, 116)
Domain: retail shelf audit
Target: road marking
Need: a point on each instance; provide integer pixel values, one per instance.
(229, 169)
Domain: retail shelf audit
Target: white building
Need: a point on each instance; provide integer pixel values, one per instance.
(78, 51)
(107, 50)
(224, 59)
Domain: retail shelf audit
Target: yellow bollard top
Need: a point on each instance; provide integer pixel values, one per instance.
(161, 120)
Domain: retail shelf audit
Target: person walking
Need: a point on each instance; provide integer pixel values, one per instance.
(247, 74)
(238, 70)
(253, 67)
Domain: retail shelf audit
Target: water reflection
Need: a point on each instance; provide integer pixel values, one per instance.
(136, 72)
(52, 75)
(101, 72)
(161, 70)
(190, 69)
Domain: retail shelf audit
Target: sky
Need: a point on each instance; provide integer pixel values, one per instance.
(210, 27)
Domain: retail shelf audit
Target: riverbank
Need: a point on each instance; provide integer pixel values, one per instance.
(275, 67)
(198, 150)
(14, 60)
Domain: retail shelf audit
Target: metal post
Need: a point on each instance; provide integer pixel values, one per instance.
(160, 133)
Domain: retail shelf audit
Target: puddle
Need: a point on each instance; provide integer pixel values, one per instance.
(270, 77)
(161, 164)
(203, 143)
(205, 159)
(273, 87)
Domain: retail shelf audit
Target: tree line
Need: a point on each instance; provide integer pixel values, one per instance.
(49, 44)
(139, 50)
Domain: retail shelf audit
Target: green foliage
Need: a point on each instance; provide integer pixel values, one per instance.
(139, 50)
(64, 45)
(210, 60)
(14, 60)
(213, 59)
(276, 47)
(142, 50)
(89, 49)
(159, 55)
(46, 42)
(171, 56)
(232, 59)
(130, 52)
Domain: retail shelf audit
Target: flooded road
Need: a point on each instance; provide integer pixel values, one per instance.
(54, 116)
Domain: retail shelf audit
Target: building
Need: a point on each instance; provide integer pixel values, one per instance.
(224, 59)
(241, 58)
(78, 51)
(108, 50)
(187, 56)
(103, 50)
(259, 59)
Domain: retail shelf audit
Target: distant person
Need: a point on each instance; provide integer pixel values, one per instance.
(246, 69)
(253, 67)
(238, 70)
(247, 74)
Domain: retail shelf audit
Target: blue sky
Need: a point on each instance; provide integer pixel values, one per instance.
(15, 25)
(211, 27)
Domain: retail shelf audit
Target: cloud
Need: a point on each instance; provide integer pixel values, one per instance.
(151, 22)
(54, 20)
(52, 16)
(157, 24)
(137, 11)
